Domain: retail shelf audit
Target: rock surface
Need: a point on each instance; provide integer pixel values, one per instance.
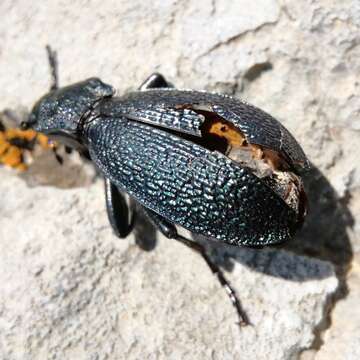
(70, 290)
(343, 338)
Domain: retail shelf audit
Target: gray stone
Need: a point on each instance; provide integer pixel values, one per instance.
(70, 290)
(342, 339)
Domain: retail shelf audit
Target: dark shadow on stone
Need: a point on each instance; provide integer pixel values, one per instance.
(324, 234)
(256, 70)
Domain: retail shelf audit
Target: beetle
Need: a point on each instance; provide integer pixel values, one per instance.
(212, 164)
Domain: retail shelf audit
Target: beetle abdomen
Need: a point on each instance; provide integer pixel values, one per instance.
(189, 185)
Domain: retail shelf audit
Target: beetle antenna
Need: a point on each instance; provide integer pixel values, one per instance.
(52, 57)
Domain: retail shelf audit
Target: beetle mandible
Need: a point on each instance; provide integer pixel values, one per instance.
(215, 165)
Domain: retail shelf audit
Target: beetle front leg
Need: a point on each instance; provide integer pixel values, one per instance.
(170, 231)
(155, 80)
(118, 210)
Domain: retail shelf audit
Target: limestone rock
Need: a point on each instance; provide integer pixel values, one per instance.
(71, 290)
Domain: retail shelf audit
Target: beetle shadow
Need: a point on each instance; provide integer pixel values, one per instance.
(323, 237)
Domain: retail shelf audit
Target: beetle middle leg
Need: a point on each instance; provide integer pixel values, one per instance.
(118, 210)
(170, 231)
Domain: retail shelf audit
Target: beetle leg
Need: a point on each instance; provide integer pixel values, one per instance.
(53, 68)
(144, 230)
(169, 230)
(118, 210)
(155, 80)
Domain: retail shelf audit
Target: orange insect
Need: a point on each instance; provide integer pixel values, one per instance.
(15, 143)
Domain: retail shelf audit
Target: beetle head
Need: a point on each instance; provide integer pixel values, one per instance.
(58, 114)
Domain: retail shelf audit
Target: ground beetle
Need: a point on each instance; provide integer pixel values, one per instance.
(210, 163)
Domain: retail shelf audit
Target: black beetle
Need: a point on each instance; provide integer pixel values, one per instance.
(215, 165)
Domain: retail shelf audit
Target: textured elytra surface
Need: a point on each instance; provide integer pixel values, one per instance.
(166, 108)
(201, 190)
(299, 61)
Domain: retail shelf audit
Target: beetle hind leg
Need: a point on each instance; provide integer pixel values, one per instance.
(170, 231)
(118, 210)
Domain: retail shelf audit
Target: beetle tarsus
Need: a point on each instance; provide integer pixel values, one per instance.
(169, 230)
